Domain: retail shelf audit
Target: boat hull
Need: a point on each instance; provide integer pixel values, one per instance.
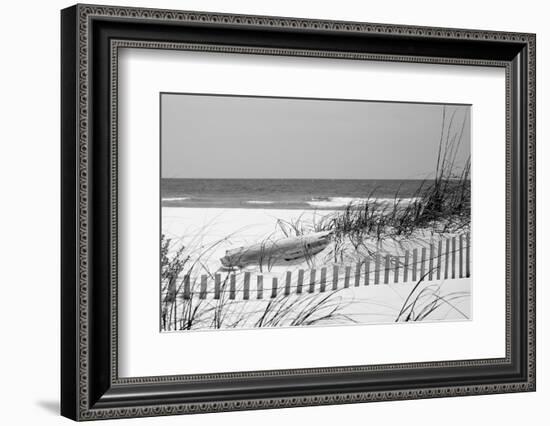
(272, 252)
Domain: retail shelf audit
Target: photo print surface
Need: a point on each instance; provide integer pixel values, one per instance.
(298, 212)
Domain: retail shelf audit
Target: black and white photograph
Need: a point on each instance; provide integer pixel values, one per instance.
(296, 212)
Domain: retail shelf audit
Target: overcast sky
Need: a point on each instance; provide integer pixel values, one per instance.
(243, 137)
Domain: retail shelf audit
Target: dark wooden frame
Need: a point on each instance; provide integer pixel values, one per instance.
(90, 386)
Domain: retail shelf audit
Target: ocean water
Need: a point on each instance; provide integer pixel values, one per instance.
(284, 193)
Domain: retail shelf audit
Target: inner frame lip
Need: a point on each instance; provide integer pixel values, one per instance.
(115, 45)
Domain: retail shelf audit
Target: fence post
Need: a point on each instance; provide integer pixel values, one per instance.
(300, 281)
(171, 291)
(232, 285)
(187, 287)
(288, 281)
(217, 280)
(431, 262)
(202, 294)
(323, 282)
(260, 287)
(414, 265)
(460, 257)
(396, 270)
(447, 250)
(335, 277)
(246, 287)
(468, 255)
(176, 313)
(406, 267)
(358, 275)
(274, 288)
(453, 276)
(439, 254)
(346, 276)
(423, 262)
(312, 281)
(387, 269)
(377, 269)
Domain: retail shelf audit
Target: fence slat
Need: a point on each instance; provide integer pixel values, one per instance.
(260, 287)
(406, 267)
(357, 274)
(323, 282)
(217, 283)
(300, 281)
(346, 276)
(453, 270)
(460, 257)
(246, 286)
(439, 254)
(274, 285)
(377, 269)
(414, 265)
(202, 294)
(468, 255)
(312, 281)
(456, 264)
(187, 287)
(171, 290)
(335, 277)
(176, 314)
(287, 283)
(447, 253)
(422, 262)
(232, 286)
(431, 263)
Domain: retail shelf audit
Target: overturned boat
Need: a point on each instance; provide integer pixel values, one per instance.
(272, 252)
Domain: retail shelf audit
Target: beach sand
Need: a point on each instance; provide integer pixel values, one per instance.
(370, 304)
(216, 230)
(212, 231)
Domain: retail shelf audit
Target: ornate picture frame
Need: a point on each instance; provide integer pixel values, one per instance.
(91, 37)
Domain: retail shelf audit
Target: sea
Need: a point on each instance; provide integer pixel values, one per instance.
(305, 194)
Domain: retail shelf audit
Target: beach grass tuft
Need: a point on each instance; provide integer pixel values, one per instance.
(441, 204)
(425, 299)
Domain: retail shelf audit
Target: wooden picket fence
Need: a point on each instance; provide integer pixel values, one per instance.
(448, 259)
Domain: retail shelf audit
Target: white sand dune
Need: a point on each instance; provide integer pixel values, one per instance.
(374, 304)
(212, 231)
(216, 230)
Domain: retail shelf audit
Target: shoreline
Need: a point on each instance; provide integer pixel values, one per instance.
(319, 203)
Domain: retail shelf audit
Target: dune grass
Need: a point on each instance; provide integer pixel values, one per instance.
(425, 299)
(181, 313)
(441, 204)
